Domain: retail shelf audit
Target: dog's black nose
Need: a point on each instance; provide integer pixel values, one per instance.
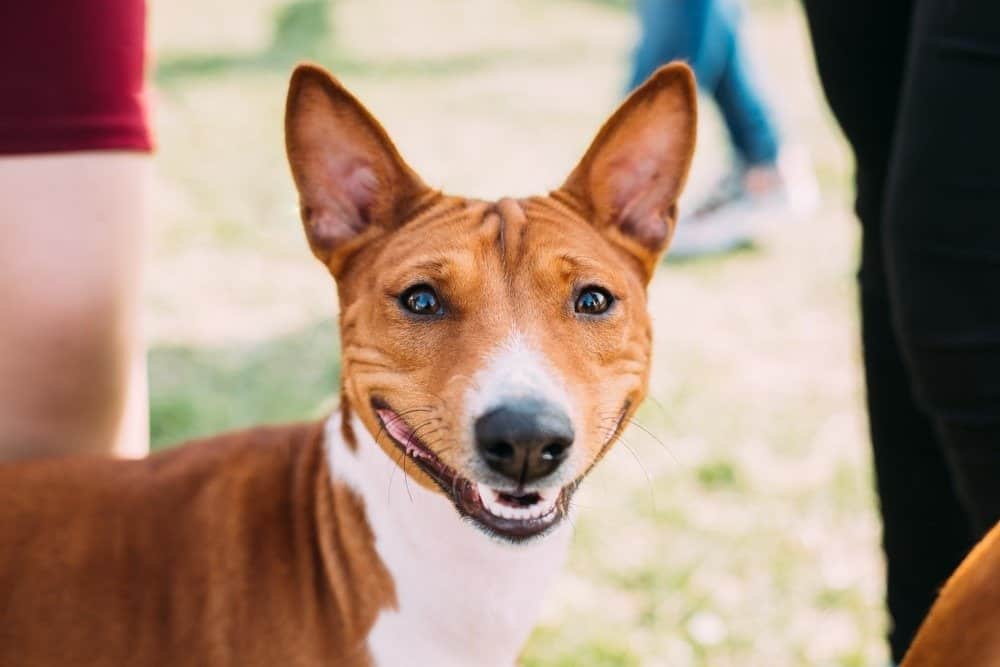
(525, 439)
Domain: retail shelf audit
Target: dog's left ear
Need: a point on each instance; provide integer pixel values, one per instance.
(353, 185)
(630, 178)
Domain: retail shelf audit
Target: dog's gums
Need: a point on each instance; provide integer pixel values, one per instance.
(511, 516)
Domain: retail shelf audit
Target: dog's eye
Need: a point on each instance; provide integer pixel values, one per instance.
(421, 300)
(593, 301)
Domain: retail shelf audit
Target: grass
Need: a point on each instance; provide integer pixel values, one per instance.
(205, 390)
(736, 526)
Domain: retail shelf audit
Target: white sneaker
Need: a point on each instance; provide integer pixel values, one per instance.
(730, 216)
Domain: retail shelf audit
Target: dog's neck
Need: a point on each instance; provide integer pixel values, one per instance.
(463, 598)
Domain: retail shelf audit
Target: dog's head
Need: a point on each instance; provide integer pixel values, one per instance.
(494, 350)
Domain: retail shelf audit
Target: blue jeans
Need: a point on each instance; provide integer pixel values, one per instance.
(705, 34)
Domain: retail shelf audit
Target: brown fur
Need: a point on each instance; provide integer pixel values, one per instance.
(240, 550)
(963, 627)
(232, 551)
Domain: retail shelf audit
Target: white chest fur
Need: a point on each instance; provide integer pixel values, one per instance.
(464, 598)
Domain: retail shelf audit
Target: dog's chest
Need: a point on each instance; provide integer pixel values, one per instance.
(463, 598)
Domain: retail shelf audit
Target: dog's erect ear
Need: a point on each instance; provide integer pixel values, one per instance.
(352, 182)
(630, 178)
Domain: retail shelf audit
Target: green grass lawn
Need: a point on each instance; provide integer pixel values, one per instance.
(735, 524)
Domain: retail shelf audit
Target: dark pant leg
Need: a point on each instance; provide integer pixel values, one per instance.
(860, 49)
(942, 236)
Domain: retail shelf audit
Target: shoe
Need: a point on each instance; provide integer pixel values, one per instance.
(730, 216)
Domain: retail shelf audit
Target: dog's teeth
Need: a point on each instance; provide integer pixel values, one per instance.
(541, 509)
(544, 509)
(486, 496)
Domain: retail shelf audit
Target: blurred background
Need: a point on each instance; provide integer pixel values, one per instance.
(735, 523)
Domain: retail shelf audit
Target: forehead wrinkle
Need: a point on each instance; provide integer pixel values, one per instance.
(449, 221)
(435, 266)
(511, 232)
(436, 246)
(579, 263)
(441, 267)
(492, 219)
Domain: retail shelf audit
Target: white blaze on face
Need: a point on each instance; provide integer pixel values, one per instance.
(516, 369)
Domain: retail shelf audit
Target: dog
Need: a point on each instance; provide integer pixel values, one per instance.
(963, 626)
(492, 352)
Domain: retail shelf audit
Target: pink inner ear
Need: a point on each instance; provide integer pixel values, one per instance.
(358, 184)
(631, 178)
(341, 204)
(647, 226)
(637, 196)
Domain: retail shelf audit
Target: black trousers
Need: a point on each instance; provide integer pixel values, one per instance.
(915, 86)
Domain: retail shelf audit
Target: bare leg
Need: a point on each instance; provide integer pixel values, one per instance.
(72, 363)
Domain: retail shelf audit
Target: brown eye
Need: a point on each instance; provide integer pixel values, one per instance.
(593, 301)
(421, 300)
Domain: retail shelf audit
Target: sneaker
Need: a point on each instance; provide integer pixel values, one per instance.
(733, 212)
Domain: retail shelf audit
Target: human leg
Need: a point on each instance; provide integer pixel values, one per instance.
(765, 181)
(73, 178)
(860, 50)
(670, 30)
(942, 237)
(70, 267)
(705, 33)
(751, 127)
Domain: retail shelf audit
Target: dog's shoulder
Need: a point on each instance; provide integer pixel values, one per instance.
(233, 481)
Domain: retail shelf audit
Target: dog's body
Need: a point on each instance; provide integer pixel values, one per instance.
(146, 570)
(168, 562)
(492, 353)
(963, 627)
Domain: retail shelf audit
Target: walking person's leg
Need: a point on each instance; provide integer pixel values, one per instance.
(705, 34)
(758, 185)
(749, 121)
(74, 172)
(671, 30)
(860, 50)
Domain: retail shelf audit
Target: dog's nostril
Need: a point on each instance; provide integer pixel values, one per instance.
(499, 451)
(554, 451)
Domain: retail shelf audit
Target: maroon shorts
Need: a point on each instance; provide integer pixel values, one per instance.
(71, 76)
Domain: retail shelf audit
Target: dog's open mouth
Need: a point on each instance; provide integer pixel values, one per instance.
(508, 514)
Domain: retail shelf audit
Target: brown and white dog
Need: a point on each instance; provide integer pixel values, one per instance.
(492, 352)
(963, 627)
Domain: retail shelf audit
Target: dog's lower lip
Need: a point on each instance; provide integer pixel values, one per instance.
(512, 515)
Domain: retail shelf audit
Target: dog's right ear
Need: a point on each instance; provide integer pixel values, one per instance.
(629, 180)
(352, 182)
